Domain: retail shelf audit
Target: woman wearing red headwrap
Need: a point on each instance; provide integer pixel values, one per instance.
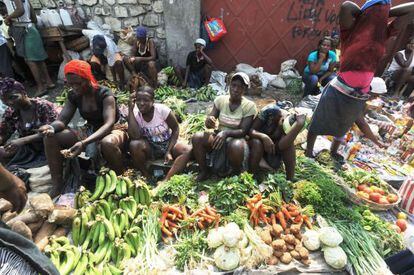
(97, 105)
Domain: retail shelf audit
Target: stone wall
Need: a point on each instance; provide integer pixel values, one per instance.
(123, 13)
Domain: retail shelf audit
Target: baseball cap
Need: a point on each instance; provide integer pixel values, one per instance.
(200, 41)
(244, 76)
(141, 32)
(98, 44)
(378, 86)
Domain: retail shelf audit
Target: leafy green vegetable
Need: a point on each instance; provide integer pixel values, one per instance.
(190, 248)
(278, 183)
(177, 190)
(178, 106)
(357, 176)
(307, 192)
(230, 193)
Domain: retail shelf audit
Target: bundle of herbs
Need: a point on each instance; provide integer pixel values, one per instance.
(178, 189)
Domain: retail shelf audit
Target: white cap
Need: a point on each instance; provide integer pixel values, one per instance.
(200, 41)
(378, 86)
(244, 76)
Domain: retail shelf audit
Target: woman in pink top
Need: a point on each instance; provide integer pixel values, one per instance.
(153, 130)
(364, 33)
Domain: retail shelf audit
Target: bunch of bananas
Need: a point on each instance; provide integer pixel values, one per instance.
(60, 100)
(205, 93)
(172, 77)
(107, 230)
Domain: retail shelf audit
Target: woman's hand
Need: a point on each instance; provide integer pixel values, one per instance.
(46, 130)
(76, 149)
(168, 158)
(13, 145)
(132, 101)
(211, 122)
(16, 196)
(269, 145)
(219, 140)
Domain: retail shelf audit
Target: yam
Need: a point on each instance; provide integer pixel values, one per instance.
(286, 258)
(62, 216)
(8, 216)
(304, 253)
(35, 226)
(295, 255)
(60, 232)
(22, 229)
(42, 204)
(272, 261)
(5, 205)
(278, 244)
(27, 217)
(45, 231)
(278, 253)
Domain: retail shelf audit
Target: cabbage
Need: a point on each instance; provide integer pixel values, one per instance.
(311, 240)
(231, 235)
(215, 237)
(330, 236)
(226, 258)
(335, 257)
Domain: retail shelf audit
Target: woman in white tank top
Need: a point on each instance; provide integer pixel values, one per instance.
(401, 69)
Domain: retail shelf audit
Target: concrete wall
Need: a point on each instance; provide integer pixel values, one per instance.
(182, 27)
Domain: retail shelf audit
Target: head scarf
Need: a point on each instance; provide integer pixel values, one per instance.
(82, 69)
(141, 32)
(8, 85)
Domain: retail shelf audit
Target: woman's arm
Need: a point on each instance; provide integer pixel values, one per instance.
(400, 59)
(134, 130)
(211, 119)
(245, 125)
(175, 128)
(402, 9)
(315, 67)
(366, 130)
(267, 141)
(289, 138)
(347, 15)
(153, 52)
(109, 114)
(65, 117)
(19, 11)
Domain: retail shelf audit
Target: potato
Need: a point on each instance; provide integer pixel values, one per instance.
(277, 230)
(21, 228)
(290, 247)
(295, 229)
(278, 244)
(290, 239)
(286, 258)
(305, 262)
(295, 255)
(304, 253)
(278, 253)
(272, 261)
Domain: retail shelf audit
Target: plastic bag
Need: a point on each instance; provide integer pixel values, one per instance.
(215, 28)
(248, 69)
(73, 55)
(126, 40)
(287, 69)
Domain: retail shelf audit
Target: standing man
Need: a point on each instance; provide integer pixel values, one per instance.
(143, 56)
(198, 67)
(21, 20)
(6, 69)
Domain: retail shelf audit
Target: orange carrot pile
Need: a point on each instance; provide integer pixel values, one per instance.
(171, 216)
(205, 217)
(258, 210)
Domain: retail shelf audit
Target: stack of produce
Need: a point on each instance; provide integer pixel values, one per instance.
(193, 123)
(178, 106)
(109, 227)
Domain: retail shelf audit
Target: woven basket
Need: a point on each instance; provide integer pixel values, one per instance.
(363, 201)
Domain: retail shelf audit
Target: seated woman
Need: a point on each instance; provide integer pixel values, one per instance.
(24, 115)
(12, 189)
(270, 144)
(153, 130)
(320, 68)
(401, 70)
(97, 105)
(228, 146)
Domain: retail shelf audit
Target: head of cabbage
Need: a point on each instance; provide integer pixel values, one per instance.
(335, 257)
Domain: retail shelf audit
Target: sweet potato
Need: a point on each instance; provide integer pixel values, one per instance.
(42, 204)
(21, 228)
(45, 231)
(62, 216)
(27, 217)
(8, 216)
(5, 205)
(35, 226)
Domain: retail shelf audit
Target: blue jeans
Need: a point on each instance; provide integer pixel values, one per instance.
(311, 83)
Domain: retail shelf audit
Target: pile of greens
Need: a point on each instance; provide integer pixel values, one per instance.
(190, 247)
(229, 193)
(357, 176)
(327, 198)
(278, 183)
(177, 190)
(193, 123)
(178, 106)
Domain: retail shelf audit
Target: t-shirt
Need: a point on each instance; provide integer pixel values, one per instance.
(94, 118)
(157, 129)
(394, 66)
(194, 63)
(230, 120)
(313, 57)
(111, 47)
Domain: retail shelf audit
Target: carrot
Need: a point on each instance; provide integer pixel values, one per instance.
(294, 213)
(196, 213)
(171, 224)
(210, 211)
(249, 205)
(164, 217)
(185, 213)
(255, 199)
(307, 221)
(200, 225)
(171, 216)
(263, 216)
(286, 213)
(292, 207)
(206, 216)
(166, 231)
(175, 210)
(281, 219)
(298, 218)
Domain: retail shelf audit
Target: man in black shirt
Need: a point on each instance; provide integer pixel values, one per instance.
(198, 67)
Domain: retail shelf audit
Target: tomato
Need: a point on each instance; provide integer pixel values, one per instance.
(396, 228)
(392, 198)
(381, 191)
(402, 224)
(375, 197)
(367, 190)
(363, 195)
(361, 187)
(383, 200)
